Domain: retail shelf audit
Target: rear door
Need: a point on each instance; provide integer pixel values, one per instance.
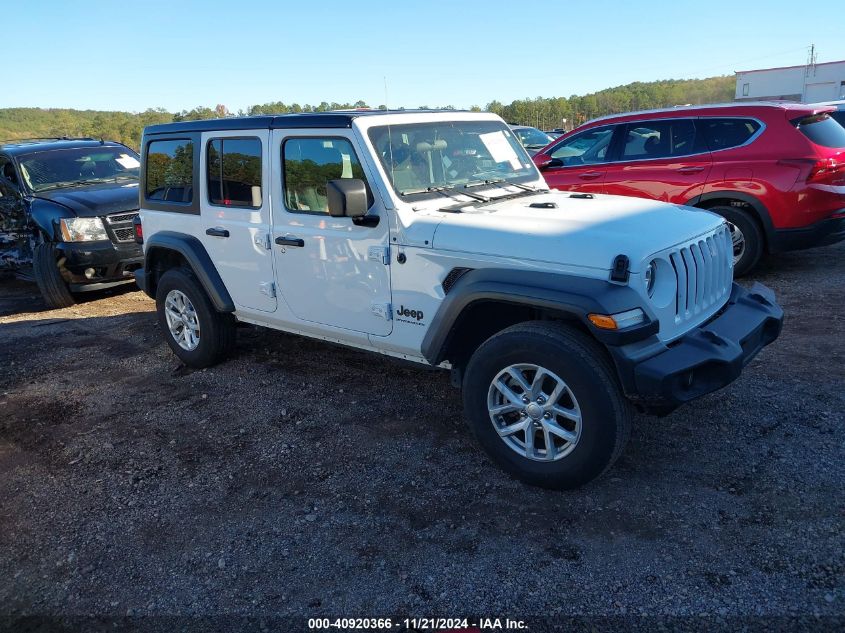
(662, 159)
(235, 211)
(579, 162)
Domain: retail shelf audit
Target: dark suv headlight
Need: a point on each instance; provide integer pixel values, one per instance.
(83, 230)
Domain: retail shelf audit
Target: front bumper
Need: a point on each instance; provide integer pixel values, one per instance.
(111, 262)
(829, 231)
(708, 357)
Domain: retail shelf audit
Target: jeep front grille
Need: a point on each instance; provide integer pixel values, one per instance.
(704, 274)
(120, 226)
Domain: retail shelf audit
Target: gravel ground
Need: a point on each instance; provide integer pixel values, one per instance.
(304, 479)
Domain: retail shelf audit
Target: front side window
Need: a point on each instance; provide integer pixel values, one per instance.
(587, 148)
(422, 157)
(310, 163)
(78, 166)
(659, 139)
(726, 133)
(170, 170)
(234, 172)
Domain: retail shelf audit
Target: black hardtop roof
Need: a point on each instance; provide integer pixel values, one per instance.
(30, 145)
(333, 119)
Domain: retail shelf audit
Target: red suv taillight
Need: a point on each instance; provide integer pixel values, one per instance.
(828, 171)
(139, 230)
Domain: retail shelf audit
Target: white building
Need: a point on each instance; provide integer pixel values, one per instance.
(809, 84)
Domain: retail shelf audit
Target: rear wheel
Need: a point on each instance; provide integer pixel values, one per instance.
(544, 404)
(747, 238)
(194, 330)
(46, 266)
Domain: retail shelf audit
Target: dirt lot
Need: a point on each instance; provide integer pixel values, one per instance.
(300, 479)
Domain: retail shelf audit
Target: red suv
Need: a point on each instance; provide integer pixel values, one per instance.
(775, 171)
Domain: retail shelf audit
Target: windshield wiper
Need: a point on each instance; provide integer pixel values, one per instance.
(496, 181)
(443, 190)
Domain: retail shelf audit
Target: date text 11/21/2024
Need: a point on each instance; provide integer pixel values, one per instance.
(443, 625)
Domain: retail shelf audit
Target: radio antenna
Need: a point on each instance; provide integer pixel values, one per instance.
(389, 136)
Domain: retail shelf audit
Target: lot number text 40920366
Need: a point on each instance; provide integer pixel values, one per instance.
(417, 624)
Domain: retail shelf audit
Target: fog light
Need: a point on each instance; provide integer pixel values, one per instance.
(90, 272)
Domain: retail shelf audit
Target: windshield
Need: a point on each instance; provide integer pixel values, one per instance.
(52, 169)
(420, 157)
(532, 137)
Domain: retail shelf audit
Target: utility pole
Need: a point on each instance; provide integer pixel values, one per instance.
(811, 66)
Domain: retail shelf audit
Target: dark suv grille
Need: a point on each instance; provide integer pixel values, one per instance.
(120, 227)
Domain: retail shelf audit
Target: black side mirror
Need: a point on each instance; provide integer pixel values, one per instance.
(347, 197)
(8, 188)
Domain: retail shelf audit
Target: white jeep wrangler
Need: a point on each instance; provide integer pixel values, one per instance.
(432, 237)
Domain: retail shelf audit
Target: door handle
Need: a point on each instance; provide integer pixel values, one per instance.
(690, 169)
(217, 232)
(590, 175)
(289, 240)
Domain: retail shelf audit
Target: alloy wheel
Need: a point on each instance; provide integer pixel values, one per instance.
(182, 320)
(738, 240)
(534, 412)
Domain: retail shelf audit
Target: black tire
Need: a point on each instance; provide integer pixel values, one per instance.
(752, 234)
(579, 361)
(53, 287)
(216, 329)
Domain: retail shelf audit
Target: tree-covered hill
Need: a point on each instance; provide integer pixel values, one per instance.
(542, 112)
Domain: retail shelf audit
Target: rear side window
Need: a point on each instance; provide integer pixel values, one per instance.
(309, 164)
(234, 172)
(839, 117)
(822, 130)
(170, 170)
(727, 133)
(659, 139)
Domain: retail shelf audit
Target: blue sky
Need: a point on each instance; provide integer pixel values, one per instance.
(178, 54)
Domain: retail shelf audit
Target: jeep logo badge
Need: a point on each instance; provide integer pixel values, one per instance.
(405, 312)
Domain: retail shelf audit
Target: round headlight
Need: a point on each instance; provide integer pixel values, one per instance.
(650, 276)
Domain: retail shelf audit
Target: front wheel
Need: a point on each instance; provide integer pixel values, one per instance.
(194, 330)
(543, 402)
(46, 267)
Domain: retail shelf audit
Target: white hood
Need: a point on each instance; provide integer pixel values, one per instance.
(580, 231)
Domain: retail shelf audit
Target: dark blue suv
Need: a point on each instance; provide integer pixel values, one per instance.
(66, 212)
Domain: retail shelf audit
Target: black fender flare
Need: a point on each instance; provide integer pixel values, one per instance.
(192, 250)
(572, 295)
(761, 212)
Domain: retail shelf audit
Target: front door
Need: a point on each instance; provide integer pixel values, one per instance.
(579, 163)
(14, 243)
(329, 270)
(235, 209)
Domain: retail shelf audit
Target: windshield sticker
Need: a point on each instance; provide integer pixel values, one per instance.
(500, 149)
(127, 162)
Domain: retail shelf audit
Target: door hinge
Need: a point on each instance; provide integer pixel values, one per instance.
(262, 240)
(383, 310)
(379, 254)
(267, 288)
